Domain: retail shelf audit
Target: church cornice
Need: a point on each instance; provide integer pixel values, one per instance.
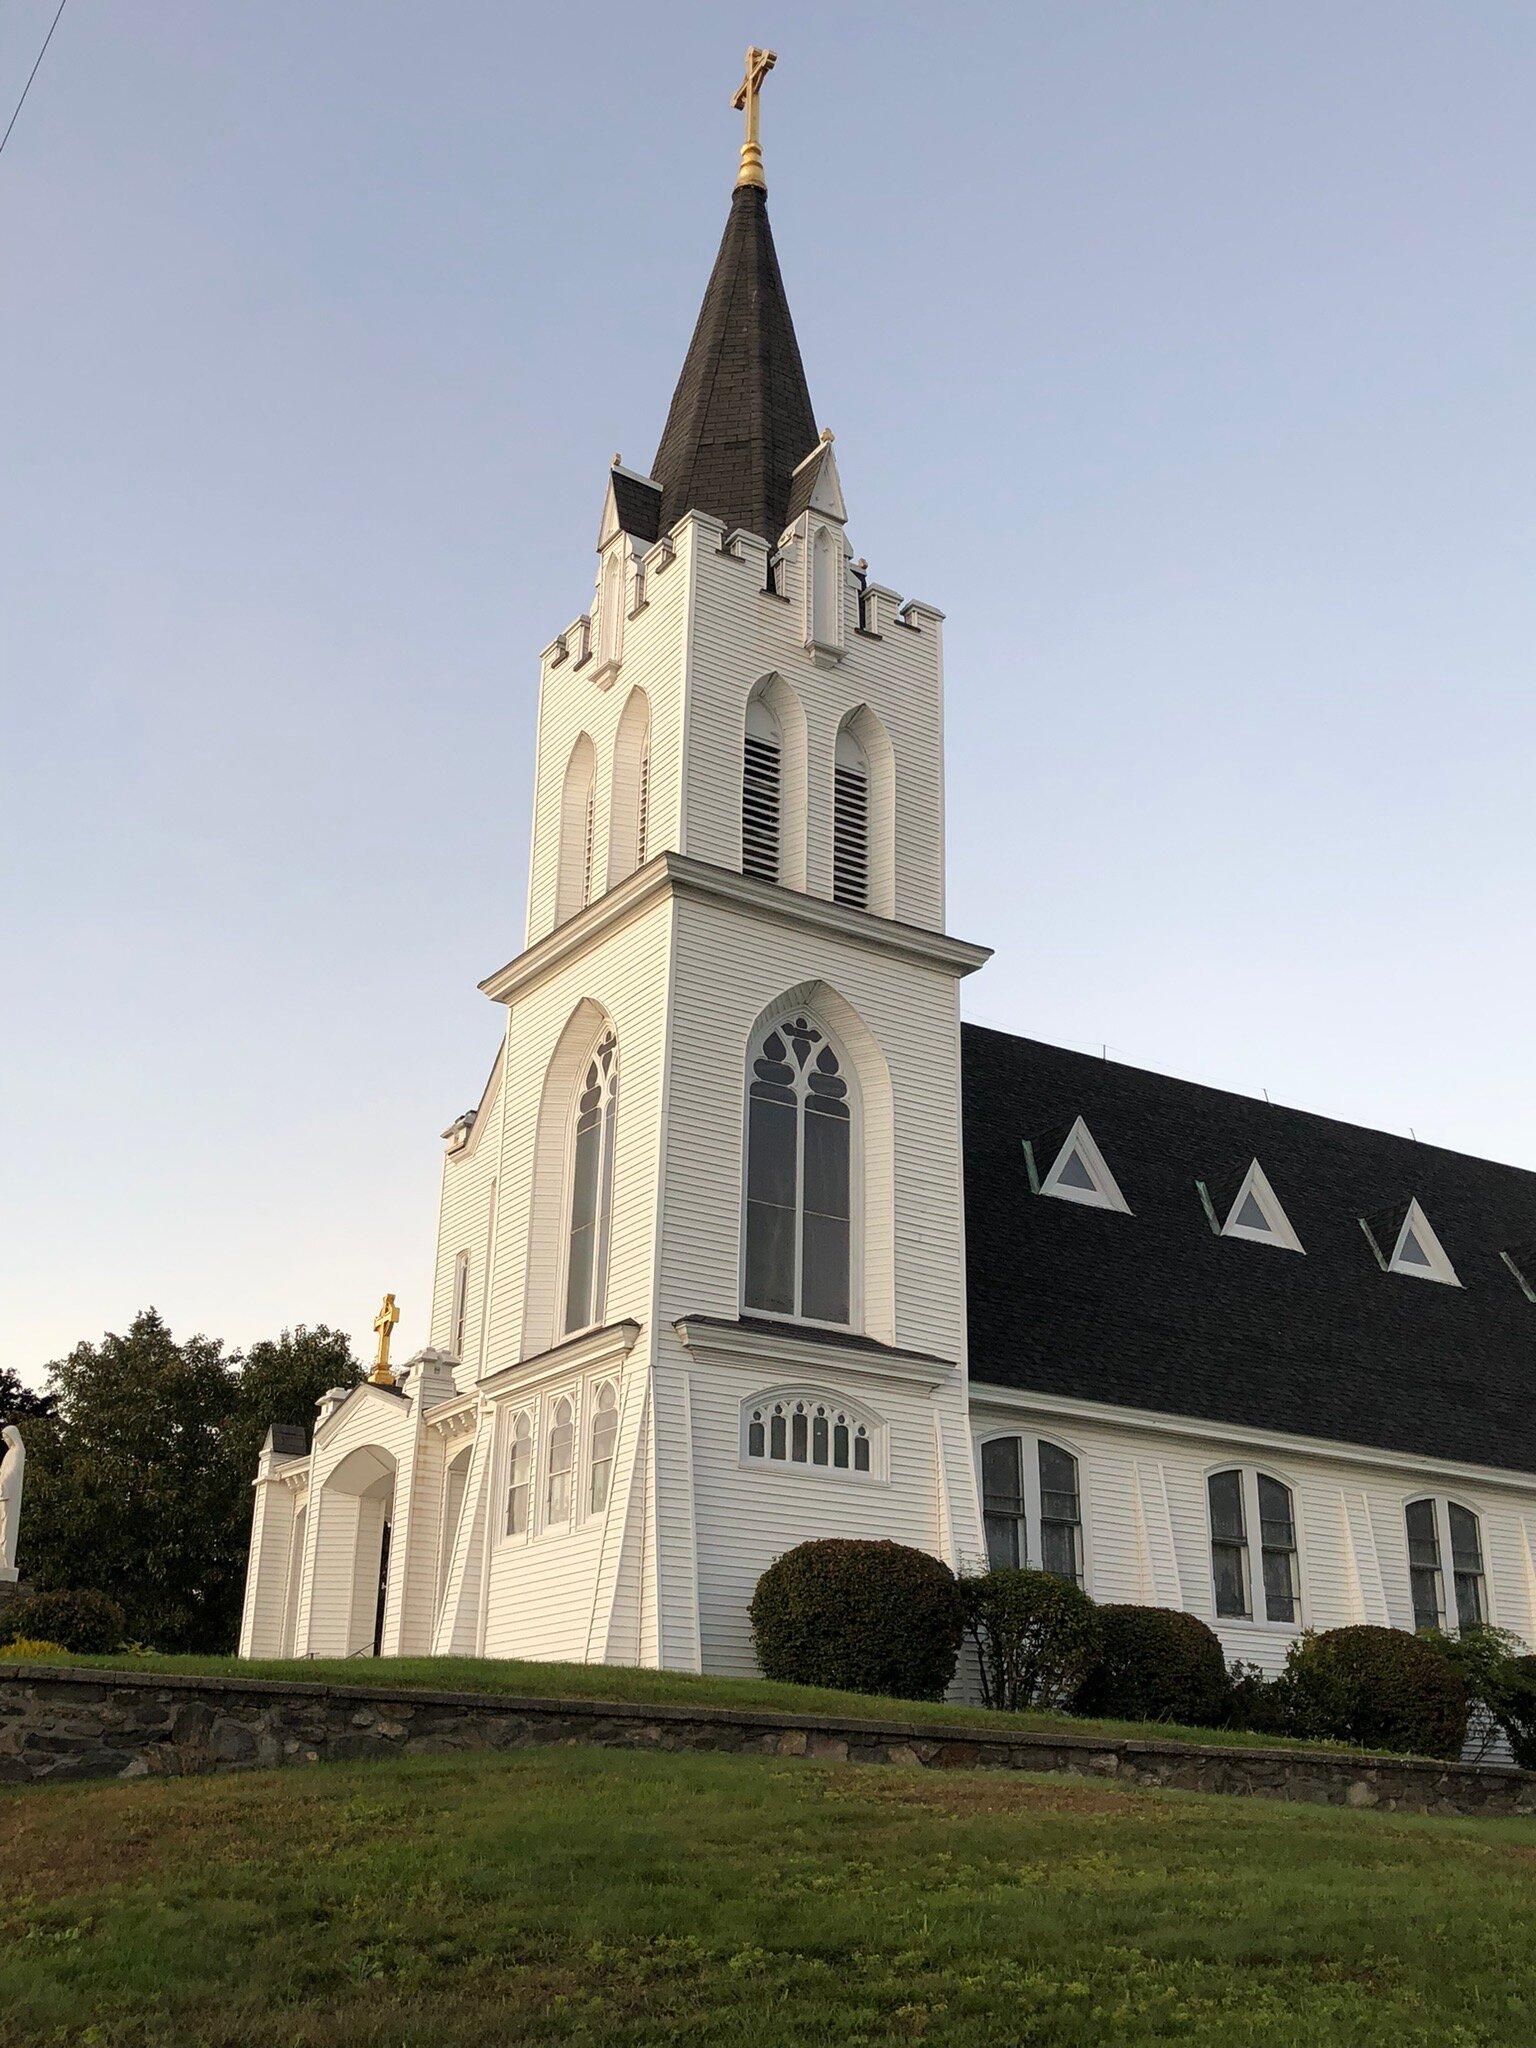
(592, 1349)
(812, 1350)
(676, 875)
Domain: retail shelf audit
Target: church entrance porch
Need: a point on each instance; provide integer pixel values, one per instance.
(351, 1555)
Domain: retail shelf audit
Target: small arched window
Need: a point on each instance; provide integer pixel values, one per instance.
(762, 793)
(799, 1197)
(520, 1475)
(850, 822)
(1239, 1501)
(605, 1436)
(562, 1459)
(578, 831)
(1436, 1527)
(1029, 1484)
(591, 1183)
(813, 1432)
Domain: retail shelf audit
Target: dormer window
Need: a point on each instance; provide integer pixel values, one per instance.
(1419, 1252)
(1081, 1173)
(1256, 1213)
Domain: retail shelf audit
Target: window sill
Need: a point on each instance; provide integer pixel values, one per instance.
(792, 1468)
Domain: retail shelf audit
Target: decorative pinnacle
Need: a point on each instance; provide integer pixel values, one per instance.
(759, 64)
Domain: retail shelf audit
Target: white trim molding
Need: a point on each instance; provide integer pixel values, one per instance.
(725, 1343)
(592, 1349)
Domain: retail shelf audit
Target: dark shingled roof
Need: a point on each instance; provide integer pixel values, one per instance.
(1154, 1311)
(741, 415)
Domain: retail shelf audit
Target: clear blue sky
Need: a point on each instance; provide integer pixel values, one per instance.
(1182, 353)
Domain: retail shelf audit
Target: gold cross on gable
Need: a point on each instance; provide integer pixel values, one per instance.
(759, 64)
(384, 1322)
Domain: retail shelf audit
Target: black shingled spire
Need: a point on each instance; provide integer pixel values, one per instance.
(741, 414)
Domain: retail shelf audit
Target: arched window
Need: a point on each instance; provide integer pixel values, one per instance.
(762, 793)
(1241, 1500)
(520, 1475)
(578, 831)
(562, 1459)
(814, 1432)
(605, 1435)
(591, 1183)
(850, 822)
(799, 1220)
(1028, 1483)
(1434, 1528)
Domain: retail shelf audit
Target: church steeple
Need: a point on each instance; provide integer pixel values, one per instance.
(741, 417)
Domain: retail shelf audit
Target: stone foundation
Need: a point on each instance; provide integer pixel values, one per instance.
(60, 1724)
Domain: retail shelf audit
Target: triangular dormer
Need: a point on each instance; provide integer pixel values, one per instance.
(1081, 1174)
(1257, 1215)
(815, 485)
(1419, 1252)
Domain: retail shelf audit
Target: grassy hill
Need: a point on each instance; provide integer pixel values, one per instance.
(594, 1897)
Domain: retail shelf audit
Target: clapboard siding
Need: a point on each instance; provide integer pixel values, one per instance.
(1147, 1535)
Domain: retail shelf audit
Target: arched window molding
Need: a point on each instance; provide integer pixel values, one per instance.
(803, 1144)
(455, 1481)
(1032, 1502)
(578, 831)
(545, 1272)
(629, 814)
(874, 1235)
(864, 815)
(1244, 1503)
(805, 1429)
(773, 790)
(1438, 1528)
(602, 1446)
(609, 609)
(589, 1189)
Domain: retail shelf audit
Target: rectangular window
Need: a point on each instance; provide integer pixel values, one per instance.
(1424, 1565)
(460, 1304)
(1466, 1566)
(1002, 1500)
(1061, 1548)
(1229, 1545)
(824, 1276)
(1277, 1533)
(771, 1173)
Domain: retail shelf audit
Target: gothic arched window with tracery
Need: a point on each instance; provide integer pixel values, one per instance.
(591, 1181)
(799, 1194)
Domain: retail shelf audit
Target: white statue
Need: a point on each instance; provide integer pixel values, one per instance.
(12, 1465)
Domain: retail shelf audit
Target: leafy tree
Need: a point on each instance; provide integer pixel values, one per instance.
(138, 1479)
(18, 1402)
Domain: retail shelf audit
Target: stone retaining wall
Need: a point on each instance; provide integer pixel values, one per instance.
(81, 1723)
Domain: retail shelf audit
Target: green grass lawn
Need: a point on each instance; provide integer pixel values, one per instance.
(595, 1897)
(675, 1688)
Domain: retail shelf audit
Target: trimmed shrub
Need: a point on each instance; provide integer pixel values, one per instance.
(1156, 1664)
(1515, 1710)
(1482, 1657)
(861, 1617)
(75, 1621)
(1380, 1688)
(1036, 1635)
(26, 1649)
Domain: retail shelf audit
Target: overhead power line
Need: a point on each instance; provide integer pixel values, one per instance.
(42, 53)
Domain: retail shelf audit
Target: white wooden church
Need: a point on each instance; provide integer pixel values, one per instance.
(749, 1240)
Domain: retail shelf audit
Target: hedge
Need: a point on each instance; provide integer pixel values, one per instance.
(1156, 1664)
(1378, 1687)
(859, 1616)
(76, 1621)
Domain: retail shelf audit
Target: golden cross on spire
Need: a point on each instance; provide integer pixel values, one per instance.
(384, 1322)
(759, 64)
